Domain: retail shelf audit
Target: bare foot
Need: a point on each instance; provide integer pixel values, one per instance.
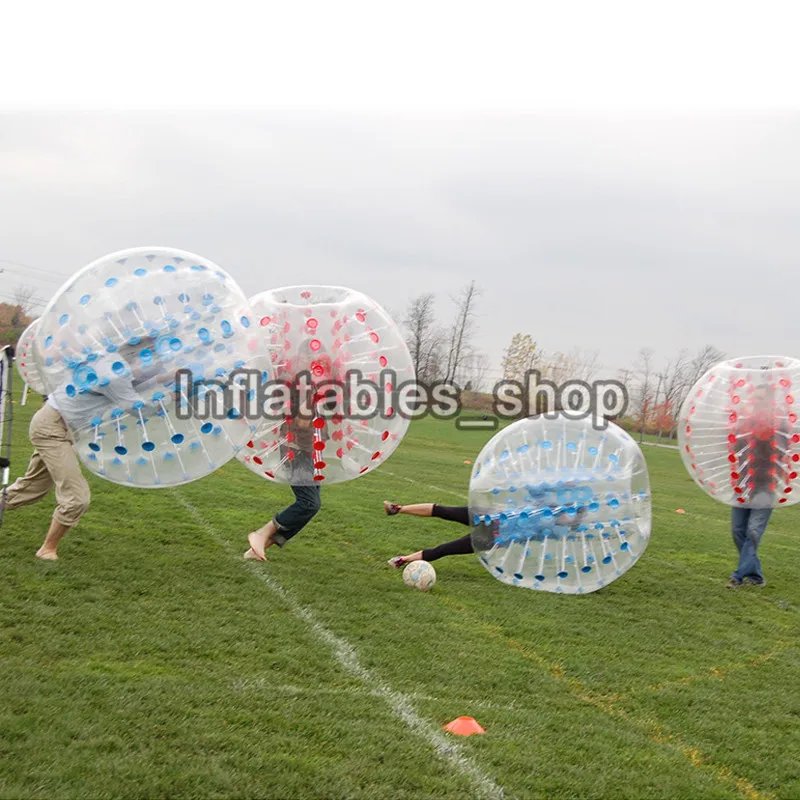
(47, 555)
(257, 542)
(251, 555)
(260, 540)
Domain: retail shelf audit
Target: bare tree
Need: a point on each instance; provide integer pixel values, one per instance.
(706, 357)
(572, 366)
(644, 371)
(476, 368)
(460, 334)
(674, 379)
(24, 300)
(424, 337)
(519, 357)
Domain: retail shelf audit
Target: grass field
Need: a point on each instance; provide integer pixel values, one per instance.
(152, 661)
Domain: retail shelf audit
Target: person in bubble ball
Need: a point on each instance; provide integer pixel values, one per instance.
(766, 435)
(54, 463)
(298, 432)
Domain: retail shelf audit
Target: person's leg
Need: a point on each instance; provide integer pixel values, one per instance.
(291, 521)
(416, 509)
(450, 513)
(739, 518)
(30, 487)
(286, 524)
(48, 550)
(458, 514)
(749, 562)
(458, 547)
(54, 444)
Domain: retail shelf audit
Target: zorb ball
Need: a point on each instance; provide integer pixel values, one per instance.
(560, 505)
(419, 575)
(25, 358)
(739, 434)
(338, 360)
(136, 350)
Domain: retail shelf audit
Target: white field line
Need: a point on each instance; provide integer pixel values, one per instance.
(459, 495)
(345, 654)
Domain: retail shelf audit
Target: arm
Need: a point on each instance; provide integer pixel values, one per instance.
(115, 382)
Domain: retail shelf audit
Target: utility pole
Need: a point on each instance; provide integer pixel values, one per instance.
(660, 377)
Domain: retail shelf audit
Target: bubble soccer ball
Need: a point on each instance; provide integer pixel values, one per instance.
(323, 342)
(419, 575)
(559, 505)
(26, 359)
(739, 434)
(111, 346)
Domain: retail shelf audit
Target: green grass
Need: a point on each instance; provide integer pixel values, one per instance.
(151, 661)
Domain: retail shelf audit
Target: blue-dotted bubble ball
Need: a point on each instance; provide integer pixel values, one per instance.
(335, 410)
(137, 352)
(25, 358)
(559, 504)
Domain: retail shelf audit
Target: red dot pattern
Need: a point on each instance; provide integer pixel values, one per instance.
(743, 436)
(340, 339)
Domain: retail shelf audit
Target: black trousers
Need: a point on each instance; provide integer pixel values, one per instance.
(458, 547)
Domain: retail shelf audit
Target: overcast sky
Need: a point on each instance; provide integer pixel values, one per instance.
(607, 234)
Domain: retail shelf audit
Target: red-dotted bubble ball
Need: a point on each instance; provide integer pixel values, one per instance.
(26, 360)
(342, 360)
(744, 424)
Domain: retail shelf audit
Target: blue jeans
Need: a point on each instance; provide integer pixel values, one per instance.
(293, 519)
(748, 526)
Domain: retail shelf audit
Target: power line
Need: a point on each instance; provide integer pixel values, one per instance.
(59, 275)
(32, 301)
(20, 275)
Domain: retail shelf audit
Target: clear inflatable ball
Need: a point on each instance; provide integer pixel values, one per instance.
(560, 505)
(25, 358)
(739, 434)
(126, 350)
(338, 360)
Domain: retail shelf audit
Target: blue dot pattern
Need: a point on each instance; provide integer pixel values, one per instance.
(132, 320)
(559, 505)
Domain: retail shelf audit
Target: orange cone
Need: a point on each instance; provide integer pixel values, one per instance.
(467, 462)
(464, 726)
(679, 511)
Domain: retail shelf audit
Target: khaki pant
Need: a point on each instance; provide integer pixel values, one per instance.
(53, 463)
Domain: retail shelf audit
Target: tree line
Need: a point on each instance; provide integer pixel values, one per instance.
(15, 315)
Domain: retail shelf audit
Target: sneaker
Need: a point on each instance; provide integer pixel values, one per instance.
(754, 582)
(391, 508)
(733, 583)
(397, 562)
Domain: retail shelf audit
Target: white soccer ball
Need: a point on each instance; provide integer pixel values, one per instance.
(419, 575)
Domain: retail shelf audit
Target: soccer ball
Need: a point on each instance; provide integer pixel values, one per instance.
(419, 575)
